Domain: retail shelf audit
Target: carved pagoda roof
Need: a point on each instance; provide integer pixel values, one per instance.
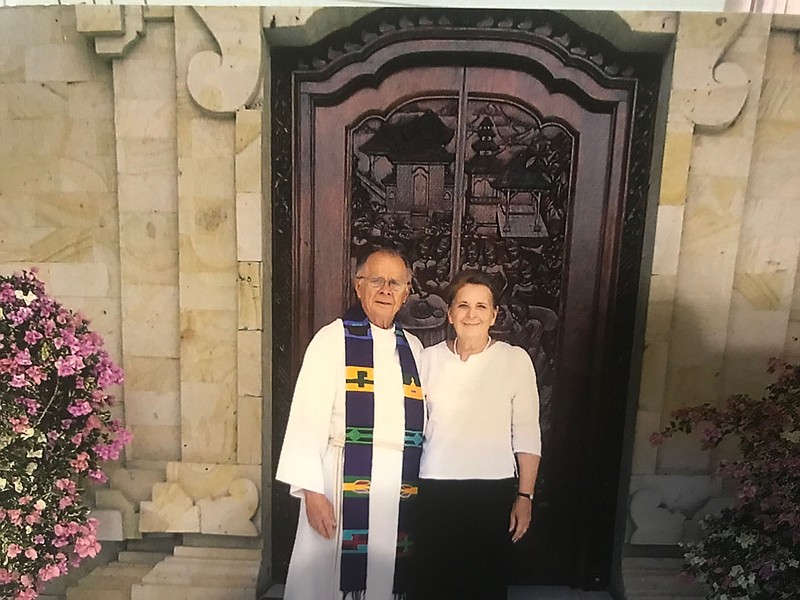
(420, 140)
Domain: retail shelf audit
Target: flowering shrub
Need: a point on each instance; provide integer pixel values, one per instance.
(55, 428)
(751, 551)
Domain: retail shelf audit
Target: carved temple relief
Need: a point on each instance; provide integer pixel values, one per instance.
(716, 89)
(115, 28)
(227, 81)
(204, 498)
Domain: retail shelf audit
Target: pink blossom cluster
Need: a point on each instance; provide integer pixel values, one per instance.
(55, 430)
(753, 549)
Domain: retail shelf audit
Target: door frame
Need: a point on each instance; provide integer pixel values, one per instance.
(542, 29)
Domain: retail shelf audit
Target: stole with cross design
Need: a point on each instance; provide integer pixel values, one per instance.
(359, 426)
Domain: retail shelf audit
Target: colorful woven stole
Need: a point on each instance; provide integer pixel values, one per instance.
(359, 425)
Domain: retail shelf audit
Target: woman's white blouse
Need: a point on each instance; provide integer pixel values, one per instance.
(480, 412)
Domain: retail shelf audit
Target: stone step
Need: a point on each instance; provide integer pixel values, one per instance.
(217, 553)
(204, 572)
(141, 557)
(154, 543)
(171, 592)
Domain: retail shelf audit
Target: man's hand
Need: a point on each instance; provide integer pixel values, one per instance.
(319, 512)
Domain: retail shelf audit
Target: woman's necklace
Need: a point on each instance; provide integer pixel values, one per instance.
(455, 346)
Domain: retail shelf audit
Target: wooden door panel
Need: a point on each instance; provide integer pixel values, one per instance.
(476, 147)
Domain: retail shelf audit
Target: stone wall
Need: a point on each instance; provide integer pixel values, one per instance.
(725, 284)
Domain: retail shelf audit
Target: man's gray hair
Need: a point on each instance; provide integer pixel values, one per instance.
(386, 252)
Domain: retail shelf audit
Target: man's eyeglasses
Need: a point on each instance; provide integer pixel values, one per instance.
(379, 282)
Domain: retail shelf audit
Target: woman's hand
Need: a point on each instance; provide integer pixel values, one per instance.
(319, 512)
(520, 518)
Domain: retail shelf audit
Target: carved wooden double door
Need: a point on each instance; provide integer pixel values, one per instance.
(517, 144)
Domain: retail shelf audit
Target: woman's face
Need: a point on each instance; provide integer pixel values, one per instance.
(472, 312)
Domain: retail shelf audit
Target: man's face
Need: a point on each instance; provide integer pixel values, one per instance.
(382, 299)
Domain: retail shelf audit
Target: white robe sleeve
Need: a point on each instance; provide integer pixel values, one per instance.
(308, 429)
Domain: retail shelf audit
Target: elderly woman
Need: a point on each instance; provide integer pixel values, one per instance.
(480, 453)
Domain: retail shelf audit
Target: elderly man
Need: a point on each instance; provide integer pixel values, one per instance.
(353, 443)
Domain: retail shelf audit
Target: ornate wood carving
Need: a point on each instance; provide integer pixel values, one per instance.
(524, 185)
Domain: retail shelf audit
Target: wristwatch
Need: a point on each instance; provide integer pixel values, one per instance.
(524, 495)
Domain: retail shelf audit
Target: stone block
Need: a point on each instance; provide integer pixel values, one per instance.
(145, 155)
(249, 167)
(127, 508)
(248, 430)
(154, 311)
(99, 19)
(171, 510)
(154, 444)
(208, 419)
(141, 557)
(215, 552)
(157, 191)
(109, 526)
(232, 514)
(156, 374)
(149, 247)
(250, 295)
(208, 291)
(58, 62)
(78, 279)
(136, 484)
(666, 251)
(675, 168)
(152, 408)
(249, 363)
(249, 237)
(207, 480)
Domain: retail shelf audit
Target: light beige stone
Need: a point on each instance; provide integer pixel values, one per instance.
(249, 363)
(667, 240)
(776, 174)
(660, 307)
(109, 525)
(152, 408)
(153, 445)
(171, 510)
(249, 238)
(231, 514)
(120, 45)
(78, 279)
(119, 503)
(98, 19)
(208, 346)
(145, 156)
(149, 192)
(215, 552)
(250, 295)
(155, 374)
(58, 62)
(224, 83)
(208, 421)
(136, 484)
(248, 152)
(83, 176)
(209, 291)
(158, 13)
(675, 168)
(209, 480)
(147, 118)
(248, 430)
(154, 308)
(759, 291)
(149, 253)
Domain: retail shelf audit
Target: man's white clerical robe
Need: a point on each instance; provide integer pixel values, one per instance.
(312, 459)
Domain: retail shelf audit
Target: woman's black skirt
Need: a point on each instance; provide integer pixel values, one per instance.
(462, 541)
